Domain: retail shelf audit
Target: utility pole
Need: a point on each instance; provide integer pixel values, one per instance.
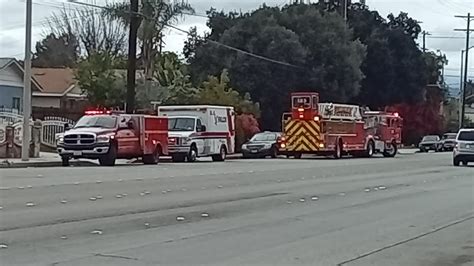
(424, 40)
(132, 55)
(345, 10)
(466, 61)
(25, 144)
(461, 91)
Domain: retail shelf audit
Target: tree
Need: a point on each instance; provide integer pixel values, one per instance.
(56, 51)
(316, 52)
(216, 90)
(99, 80)
(94, 32)
(394, 68)
(156, 15)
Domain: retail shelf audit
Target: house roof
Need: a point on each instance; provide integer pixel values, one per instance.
(6, 62)
(55, 80)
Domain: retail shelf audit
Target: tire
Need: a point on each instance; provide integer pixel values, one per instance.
(65, 161)
(221, 156)
(370, 149)
(465, 163)
(192, 155)
(393, 152)
(153, 158)
(274, 152)
(110, 157)
(456, 162)
(338, 150)
(298, 155)
(178, 158)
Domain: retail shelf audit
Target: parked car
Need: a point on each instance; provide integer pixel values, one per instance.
(447, 142)
(261, 145)
(464, 149)
(428, 143)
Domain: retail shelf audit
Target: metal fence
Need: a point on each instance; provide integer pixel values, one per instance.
(50, 126)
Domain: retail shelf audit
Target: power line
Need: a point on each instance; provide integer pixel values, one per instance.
(211, 41)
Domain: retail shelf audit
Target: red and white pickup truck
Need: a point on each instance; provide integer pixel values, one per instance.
(108, 136)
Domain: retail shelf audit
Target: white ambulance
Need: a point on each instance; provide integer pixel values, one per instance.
(199, 131)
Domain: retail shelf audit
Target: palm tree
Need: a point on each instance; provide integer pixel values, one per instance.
(156, 15)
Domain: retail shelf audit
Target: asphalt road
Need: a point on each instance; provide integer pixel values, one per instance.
(412, 210)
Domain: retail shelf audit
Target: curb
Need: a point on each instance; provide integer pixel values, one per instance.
(43, 164)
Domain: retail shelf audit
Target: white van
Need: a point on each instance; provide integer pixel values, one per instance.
(199, 131)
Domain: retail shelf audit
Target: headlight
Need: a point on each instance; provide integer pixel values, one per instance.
(103, 139)
(268, 146)
(185, 140)
(60, 139)
(244, 146)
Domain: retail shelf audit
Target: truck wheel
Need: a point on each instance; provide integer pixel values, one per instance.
(110, 157)
(370, 150)
(65, 160)
(274, 152)
(392, 151)
(221, 156)
(338, 151)
(192, 155)
(153, 158)
(456, 162)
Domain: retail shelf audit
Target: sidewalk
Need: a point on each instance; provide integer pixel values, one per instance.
(48, 159)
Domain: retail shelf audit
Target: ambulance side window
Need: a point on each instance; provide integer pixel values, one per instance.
(198, 125)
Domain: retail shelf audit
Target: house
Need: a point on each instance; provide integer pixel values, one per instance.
(11, 84)
(60, 90)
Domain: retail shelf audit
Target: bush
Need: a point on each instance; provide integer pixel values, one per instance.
(246, 125)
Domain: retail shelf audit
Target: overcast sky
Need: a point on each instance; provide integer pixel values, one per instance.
(437, 17)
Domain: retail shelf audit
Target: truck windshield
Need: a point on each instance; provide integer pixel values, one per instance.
(96, 121)
(301, 102)
(466, 136)
(181, 124)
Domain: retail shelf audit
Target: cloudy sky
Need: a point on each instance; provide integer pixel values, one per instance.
(437, 17)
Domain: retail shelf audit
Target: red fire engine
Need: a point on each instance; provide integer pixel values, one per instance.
(109, 135)
(337, 129)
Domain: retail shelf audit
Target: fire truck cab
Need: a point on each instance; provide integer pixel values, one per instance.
(385, 128)
(337, 129)
(108, 136)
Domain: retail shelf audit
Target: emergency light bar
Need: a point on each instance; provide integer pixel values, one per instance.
(97, 112)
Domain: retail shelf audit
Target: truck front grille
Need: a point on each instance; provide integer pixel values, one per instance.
(79, 139)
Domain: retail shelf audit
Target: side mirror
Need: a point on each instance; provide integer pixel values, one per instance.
(203, 128)
(67, 126)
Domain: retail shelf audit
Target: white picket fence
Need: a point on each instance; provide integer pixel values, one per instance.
(50, 126)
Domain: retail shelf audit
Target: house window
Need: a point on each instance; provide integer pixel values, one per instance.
(16, 103)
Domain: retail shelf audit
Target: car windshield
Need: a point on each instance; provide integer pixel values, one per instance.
(449, 136)
(263, 137)
(181, 124)
(466, 136)
(102, 121)
(430, 138)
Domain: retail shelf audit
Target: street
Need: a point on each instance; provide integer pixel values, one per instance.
(415, 210)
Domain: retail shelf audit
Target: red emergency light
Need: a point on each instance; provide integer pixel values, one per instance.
(97, 112)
